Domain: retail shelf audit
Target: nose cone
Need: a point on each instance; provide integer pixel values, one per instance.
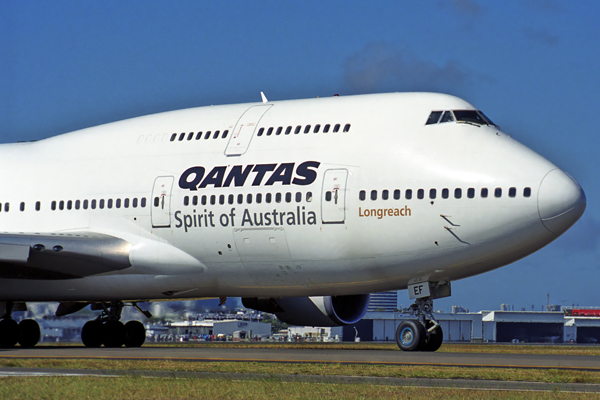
(561, 201)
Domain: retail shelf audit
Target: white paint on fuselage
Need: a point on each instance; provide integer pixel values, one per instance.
(388, 147)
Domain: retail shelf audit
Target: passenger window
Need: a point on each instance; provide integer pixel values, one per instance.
(484, 192)
(373, 194)
(447, 117)
(408, 194)
(498, 192)
(249, 198)
(434, 117)
(207, 135)
(420, 194)
(101, 204)
(143, 202)
(326, 128)
(216, 134)
(109, 203)
(298, 129)
(77, 204)
(268, 197)
(279, 131)
(52, 206)
(259, 198)
(224, 135)
(298, 197)
(181, 137)
(240, 198)
(231, 199)
(38, 206)
(86, 204)
(336, 128)
(118, 203)
(527, 192)
(186, 201)
(126, 203)
(385, 194)
(134, 202)
(269, 131)
(397, 194)
(22, 206)
(203, 200)
(512, 192)
(470, 193)
(61, 205)
(432, 193)
(93, 204)
(308, 197)
(457, 193)
(173, 137)
(328, 196)
(194, 201)
(222, 199)
(346, 128)
(69, 205)
(288, 197)
(288, 130)
(307, 129)
(317, 128)
(362, 195)
(278, 197)
(190, 136)
(445, 193)
(213, 199)
(6, 207)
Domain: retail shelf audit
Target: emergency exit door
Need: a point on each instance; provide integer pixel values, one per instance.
(333, 197)
(244, 130)
(161, 202)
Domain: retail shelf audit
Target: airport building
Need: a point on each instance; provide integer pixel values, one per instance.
(571, 325)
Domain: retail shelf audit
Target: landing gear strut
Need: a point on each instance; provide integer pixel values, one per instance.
(26, 333)
(109, 331)
(422, 333)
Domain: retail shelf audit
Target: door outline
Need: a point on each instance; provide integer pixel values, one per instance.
(244, 130)
(333, 196)
(160, 203)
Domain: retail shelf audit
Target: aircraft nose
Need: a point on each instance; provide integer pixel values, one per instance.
(561, 201)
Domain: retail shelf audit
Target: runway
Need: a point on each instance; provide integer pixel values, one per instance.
(290, 355)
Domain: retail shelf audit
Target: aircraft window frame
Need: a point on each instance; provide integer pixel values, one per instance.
(181, 136)
(268, 198)
(471, 193)
(484, 193)
(143, 202)
(260, 132)
(109, 203)
(221, 199)
(447, 117)
(498, 192)
(336, 128)
(288, 197)
(186, 200)
(195, 200)
(373, 195)
(397, 194)
(199, 135)
(190, 136)
(385, 194)
(420, 194)
(118, 203)
(69, 204)
(204, 200)
(307, 129)
(298, 197)
(326, 128)
(430, 120)
(52, 206)
(38, 206)
(288, 130)
(527, 192)
(457, 193)
(279, 130)
(328, 196)
(101, 204)
(94, 204)
(86, 204)
(309, 197)
(212, 199)
(278, 197)
(469, 117)
(173, 137)
(207, 135)
(362, 195)
(134, 202)
(298, 129)
(269, 131)
(317, 128)
(445, 193)
(77, 204)
(231, 199)
(126, 203)
(22, 206)
(61, 205)
(225, 133)
(240, 198)
(347, 128)
(249, 198)
(216, 134)
(408, 194)
(432, 193)
(512, 192)
(258, 198)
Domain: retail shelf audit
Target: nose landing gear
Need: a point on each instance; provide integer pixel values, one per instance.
(423, 333)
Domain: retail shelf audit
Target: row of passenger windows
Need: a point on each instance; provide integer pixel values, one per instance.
(307, 129)
(249, 198)
(93, 204)
(445, 193)
(199, 135)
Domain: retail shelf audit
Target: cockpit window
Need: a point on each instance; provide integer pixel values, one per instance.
(434, 117)
(447, 117)
(471, 117)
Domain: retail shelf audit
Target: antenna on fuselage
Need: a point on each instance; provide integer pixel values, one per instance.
(264, 98)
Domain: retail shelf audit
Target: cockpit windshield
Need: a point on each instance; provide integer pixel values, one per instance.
(471, 117)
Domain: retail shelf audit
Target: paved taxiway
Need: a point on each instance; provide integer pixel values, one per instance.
(390, 357)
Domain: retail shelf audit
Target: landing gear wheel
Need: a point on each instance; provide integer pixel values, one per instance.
(9, 332)
(410, 335)
(114, 333)
(91, 334)
(135, 334)
(434, 340)
(29, 333)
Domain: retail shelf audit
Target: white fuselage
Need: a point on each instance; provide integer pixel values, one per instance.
(261, 214)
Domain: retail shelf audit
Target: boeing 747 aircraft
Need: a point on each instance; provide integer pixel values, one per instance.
(300, 207)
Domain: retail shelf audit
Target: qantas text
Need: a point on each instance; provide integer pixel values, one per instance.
(195, 178)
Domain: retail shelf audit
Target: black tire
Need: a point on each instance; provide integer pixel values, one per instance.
(114, 334)
(91, 334)
(434, 340)
(29, 333)
(9, 333)
(410, 335)
(135, 334)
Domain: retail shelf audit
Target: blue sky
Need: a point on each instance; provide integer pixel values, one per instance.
(531, 65)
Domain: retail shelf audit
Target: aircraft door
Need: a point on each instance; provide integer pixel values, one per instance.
(161, 202)
(333, 197)
(244, 130)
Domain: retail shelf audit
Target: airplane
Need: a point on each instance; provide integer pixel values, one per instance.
(300, 207)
